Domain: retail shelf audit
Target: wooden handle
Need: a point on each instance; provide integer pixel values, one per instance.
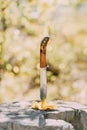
(43, 52)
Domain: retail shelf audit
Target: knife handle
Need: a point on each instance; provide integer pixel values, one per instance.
(43, 52)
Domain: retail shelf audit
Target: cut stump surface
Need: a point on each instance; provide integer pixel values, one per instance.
(20, 116)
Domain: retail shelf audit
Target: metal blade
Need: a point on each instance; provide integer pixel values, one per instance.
(43, 83)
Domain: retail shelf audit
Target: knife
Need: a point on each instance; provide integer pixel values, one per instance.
(43, 66)
(43, 105)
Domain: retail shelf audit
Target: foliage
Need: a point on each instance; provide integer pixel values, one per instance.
(23, 24)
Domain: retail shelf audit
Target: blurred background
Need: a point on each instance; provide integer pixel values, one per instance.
(23, 24)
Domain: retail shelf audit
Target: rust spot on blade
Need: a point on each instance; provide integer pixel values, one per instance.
(43, 52)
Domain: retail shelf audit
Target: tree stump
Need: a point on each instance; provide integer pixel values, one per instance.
(20, 116)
